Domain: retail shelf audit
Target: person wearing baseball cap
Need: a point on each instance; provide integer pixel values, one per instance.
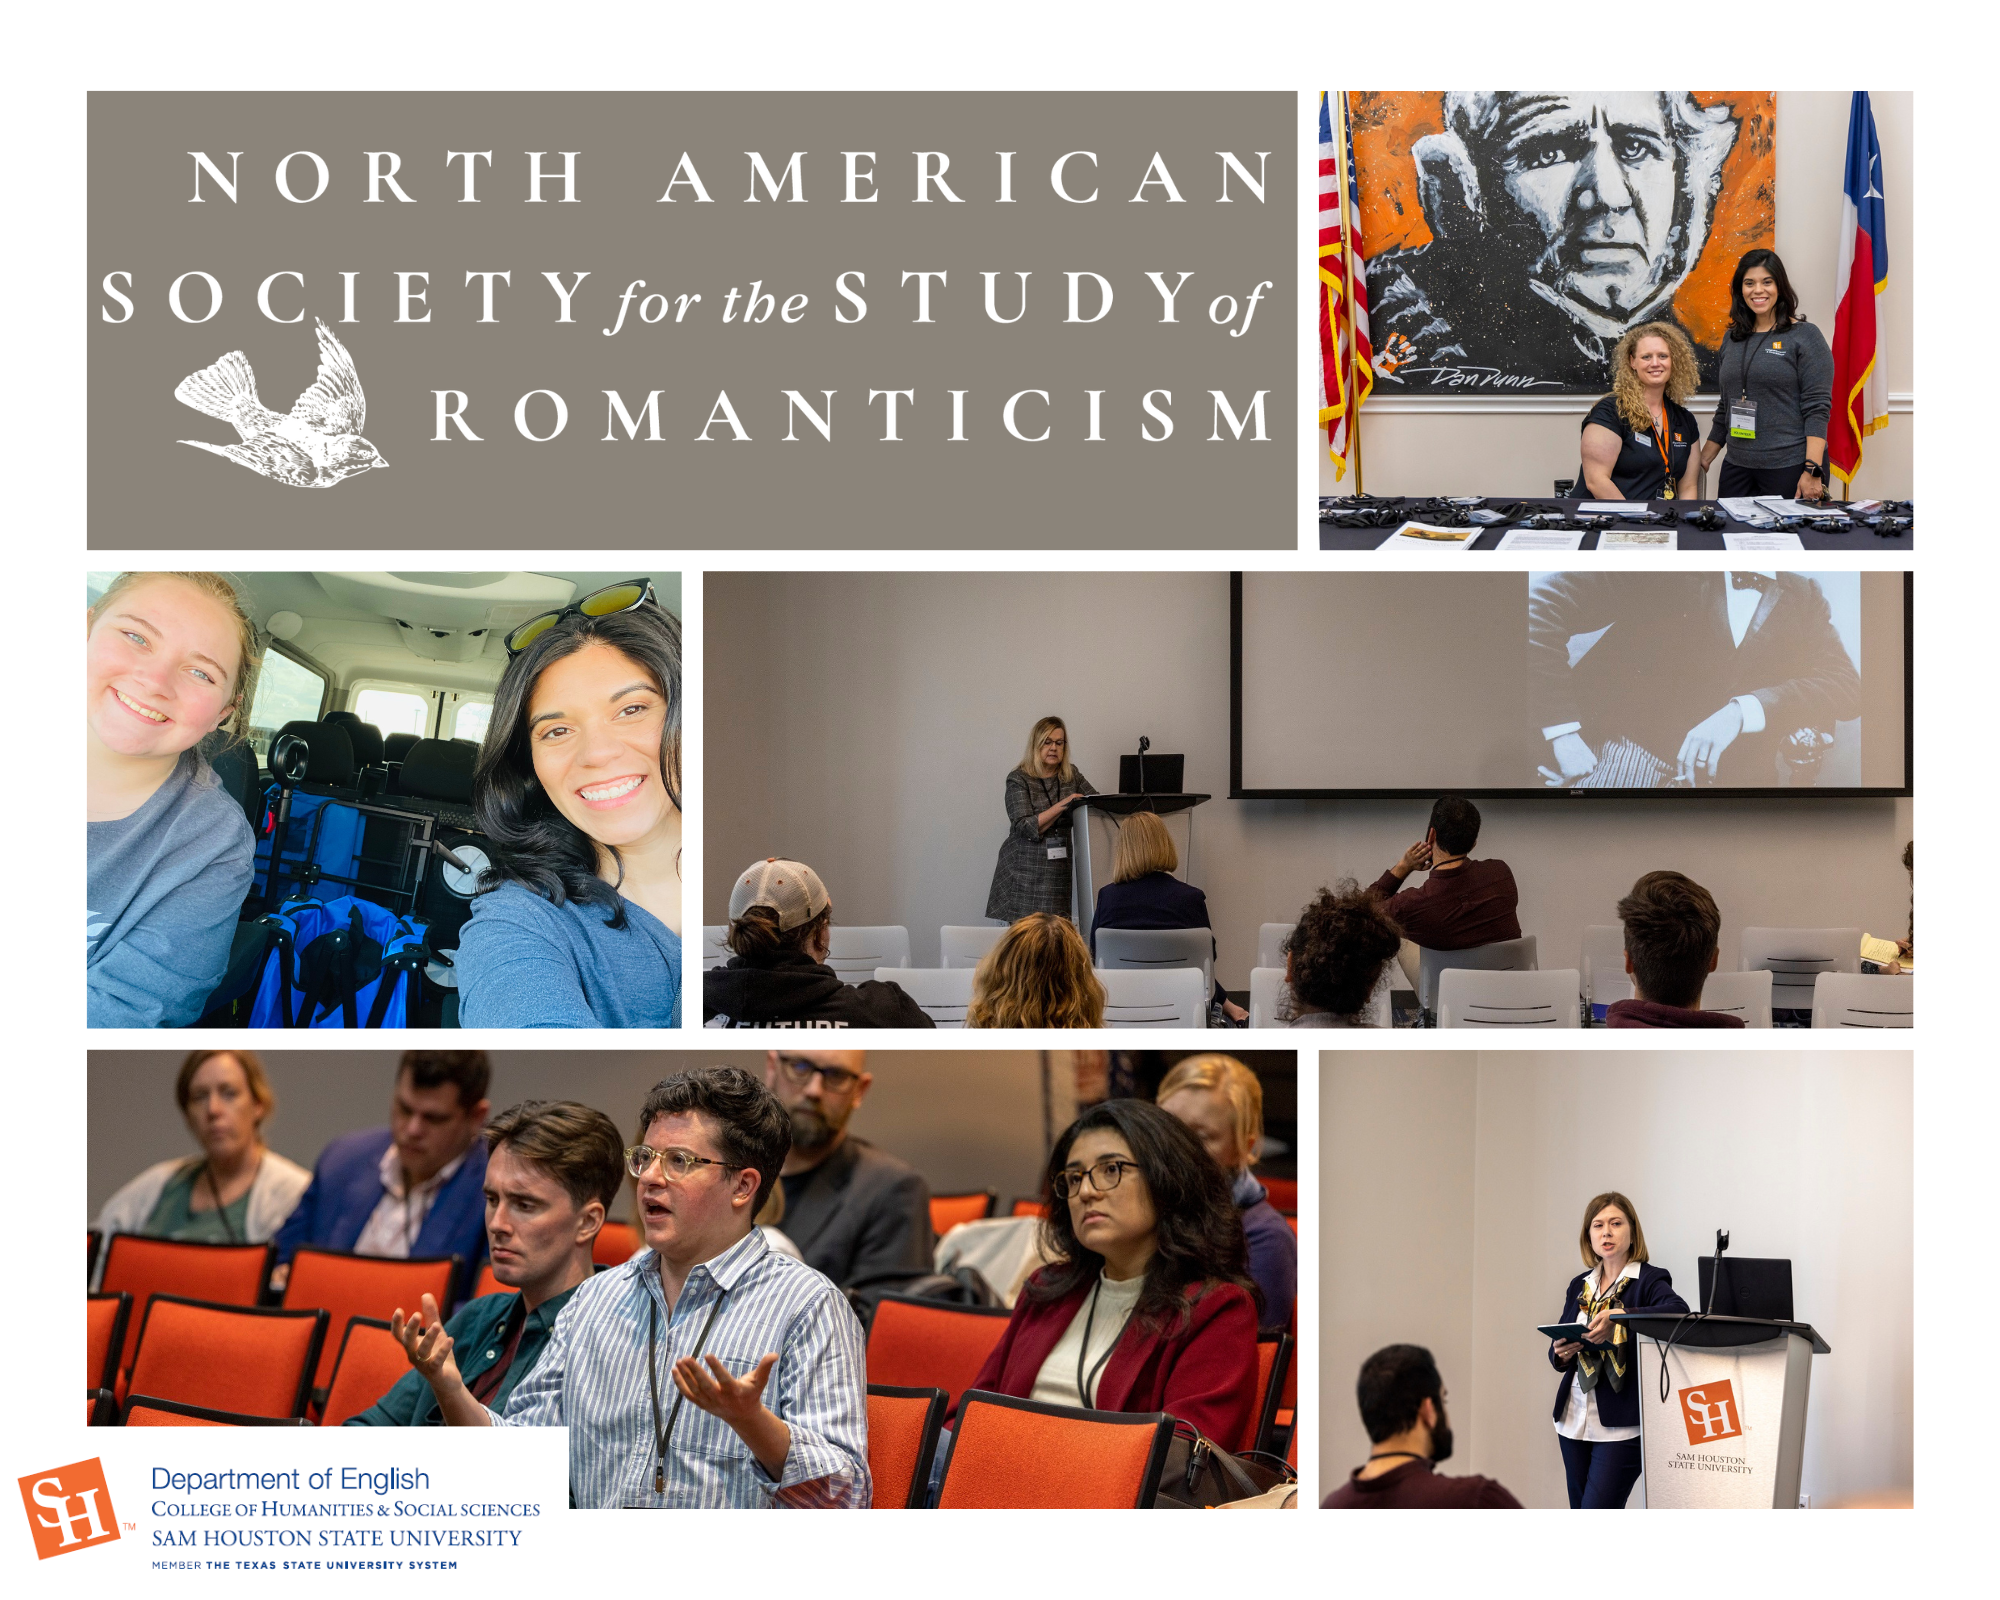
(780, 928)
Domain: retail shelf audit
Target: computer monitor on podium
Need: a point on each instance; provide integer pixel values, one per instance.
(1147, 773)
(1748, 1287)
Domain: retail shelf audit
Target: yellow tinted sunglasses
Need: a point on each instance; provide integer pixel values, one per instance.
(606, 602)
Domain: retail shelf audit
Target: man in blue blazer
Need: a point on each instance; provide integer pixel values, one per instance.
(414, 1188)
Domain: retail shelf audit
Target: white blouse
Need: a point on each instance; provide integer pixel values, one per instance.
(1055, 1384)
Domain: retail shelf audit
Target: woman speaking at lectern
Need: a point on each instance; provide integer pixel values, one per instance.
(1597, 1403)
(1032, 873)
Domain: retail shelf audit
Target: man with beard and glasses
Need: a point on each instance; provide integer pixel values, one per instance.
(857, 1213)
(1402, 1407)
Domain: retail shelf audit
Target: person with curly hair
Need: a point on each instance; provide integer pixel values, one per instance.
(1038, 975)
(1640, 442)
(1147, 1302)
(1337, 956)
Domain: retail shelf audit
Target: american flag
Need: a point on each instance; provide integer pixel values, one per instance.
(1346, 376)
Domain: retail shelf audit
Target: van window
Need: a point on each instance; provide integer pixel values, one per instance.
(287, 691)
(394, 711)
(470, 720)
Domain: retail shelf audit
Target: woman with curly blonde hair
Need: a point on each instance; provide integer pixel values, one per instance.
(1038, 976)
(1639, 441)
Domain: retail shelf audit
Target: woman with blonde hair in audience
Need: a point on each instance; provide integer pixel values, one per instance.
(1221, 1101)
(238, 1190)
(1144, 893)
(1037, 976)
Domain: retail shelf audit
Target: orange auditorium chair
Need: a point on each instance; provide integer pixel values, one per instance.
(256, 1361)
(346, 1285)
(949, 1210)
(930, 1344)
(616, 1243)
(368, 1363)
(105, 1317)
(222, 1274)
(144, 1411)
(1023, 1455)
(903, 1426)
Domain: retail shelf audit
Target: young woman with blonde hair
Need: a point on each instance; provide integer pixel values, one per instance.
(1640, 442)
(1144, 893)
(1038, 976)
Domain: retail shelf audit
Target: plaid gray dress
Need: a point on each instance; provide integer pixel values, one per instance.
(1025, 879)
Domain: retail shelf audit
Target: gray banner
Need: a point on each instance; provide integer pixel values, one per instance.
(664, 311)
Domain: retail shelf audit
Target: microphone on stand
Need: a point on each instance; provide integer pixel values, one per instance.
(1145, 744)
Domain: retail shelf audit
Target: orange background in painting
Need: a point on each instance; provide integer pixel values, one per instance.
(1387, 122)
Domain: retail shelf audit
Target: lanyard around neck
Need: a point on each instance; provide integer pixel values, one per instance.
(1083, 1384)
(664, 1436)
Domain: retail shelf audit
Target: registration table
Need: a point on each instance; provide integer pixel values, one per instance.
(1861, 540)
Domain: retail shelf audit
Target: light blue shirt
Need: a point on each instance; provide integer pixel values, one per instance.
(524, 962)
(592, 1379)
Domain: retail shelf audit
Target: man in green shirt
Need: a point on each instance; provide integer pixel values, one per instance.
(553, 1169)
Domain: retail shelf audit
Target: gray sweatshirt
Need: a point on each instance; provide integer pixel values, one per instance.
(166, 884)
(1789, 373)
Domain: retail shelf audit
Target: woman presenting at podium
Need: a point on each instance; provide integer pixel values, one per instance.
(1597, 1404)
(1032, 873)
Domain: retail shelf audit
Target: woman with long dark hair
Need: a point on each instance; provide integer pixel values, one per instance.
(578, 786)
(1147, 1302)
(1774, 387)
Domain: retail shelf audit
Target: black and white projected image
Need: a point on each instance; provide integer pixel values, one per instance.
(1694, 680)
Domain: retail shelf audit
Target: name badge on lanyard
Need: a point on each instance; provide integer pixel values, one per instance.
(1743, 418)
(1058, 852)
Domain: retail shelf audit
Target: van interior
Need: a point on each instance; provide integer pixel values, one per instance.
(372, 698)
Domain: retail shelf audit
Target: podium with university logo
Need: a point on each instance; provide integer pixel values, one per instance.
(1730, 1433)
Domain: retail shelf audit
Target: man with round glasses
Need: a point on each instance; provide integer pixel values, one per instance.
(857, 1213)
(739, 1371)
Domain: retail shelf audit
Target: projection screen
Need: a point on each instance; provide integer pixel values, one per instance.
(1524, 684)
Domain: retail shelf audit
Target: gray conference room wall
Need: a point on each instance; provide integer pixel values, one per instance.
(966, 1120)
(1467, 443)
(1452, 1187)
(870, 729)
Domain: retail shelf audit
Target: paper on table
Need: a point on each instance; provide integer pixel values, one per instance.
(1540, 539)
(1775, 539)
(1639, 539)
(1427, 536)
(1611, 508)
(1741, 508)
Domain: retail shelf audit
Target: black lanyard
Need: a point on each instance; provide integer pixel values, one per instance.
(1082, 1383)
(663, 1436)
(221, 1210)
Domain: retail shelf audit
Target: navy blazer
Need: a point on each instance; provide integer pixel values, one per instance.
(1616, 1408)
(347, 1184)
(1158, 900)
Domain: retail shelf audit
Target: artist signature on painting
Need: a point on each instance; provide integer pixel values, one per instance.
(1473, 378)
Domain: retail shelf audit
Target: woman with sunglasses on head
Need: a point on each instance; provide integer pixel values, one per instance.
(171, 659)
(1147, 1302)
(1774, 389)
(578, 787)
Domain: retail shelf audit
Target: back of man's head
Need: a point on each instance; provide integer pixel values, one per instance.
(1456, 823)
(466, 1070)
(1394, 1383)
(1671, 932)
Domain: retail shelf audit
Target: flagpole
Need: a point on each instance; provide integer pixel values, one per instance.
(1341, 177)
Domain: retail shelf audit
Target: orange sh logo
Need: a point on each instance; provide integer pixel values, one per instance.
(1709, 1410)
(68, 1508)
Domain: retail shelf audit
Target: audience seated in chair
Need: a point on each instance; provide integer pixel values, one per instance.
(1672, 939)
(1335, 956)
(780, 929)
(1038, 976)
(1402, 1407)
(1144, 893)
(1463, 903)
(552, 1170)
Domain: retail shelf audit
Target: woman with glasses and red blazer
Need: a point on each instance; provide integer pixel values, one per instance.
(1147, 1304)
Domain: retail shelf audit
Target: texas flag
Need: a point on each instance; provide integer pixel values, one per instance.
(1860, 392)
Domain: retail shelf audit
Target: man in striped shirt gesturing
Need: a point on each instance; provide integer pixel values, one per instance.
(708, 1370)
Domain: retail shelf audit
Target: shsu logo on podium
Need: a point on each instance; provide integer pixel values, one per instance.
(69, 1508)
(1709, 1410)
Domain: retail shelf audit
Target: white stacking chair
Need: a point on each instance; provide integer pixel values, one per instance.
(1795, 958)
(1741, 994)
(714, 953)
(967, 946)
(1865, 1000)
(1271, 937)
(943, 992)
(1604, 980)
(1267, 996)
(1158, 950)
(857, 952)
(1506, 955)
(1172, 998)
(1475, 997)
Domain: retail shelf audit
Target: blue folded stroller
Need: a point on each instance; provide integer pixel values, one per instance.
(333, 963)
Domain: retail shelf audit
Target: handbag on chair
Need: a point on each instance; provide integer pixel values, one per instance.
(1199, 1473)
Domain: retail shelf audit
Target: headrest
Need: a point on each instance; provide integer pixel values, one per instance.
(396, 746)
(332, 755)
(440, 769)
(364, 736)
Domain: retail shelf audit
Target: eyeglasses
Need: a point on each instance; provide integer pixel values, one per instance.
(605, 602)
(1105, 1176)
(677, 1164)
(800, 1070)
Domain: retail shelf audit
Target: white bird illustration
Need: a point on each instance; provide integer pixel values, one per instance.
(315, 446)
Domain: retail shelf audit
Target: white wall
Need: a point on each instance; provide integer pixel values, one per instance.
(1800, 1154)
(1469, 445)
(865, 723)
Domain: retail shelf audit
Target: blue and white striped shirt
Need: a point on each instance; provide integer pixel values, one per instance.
(592, 1379)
